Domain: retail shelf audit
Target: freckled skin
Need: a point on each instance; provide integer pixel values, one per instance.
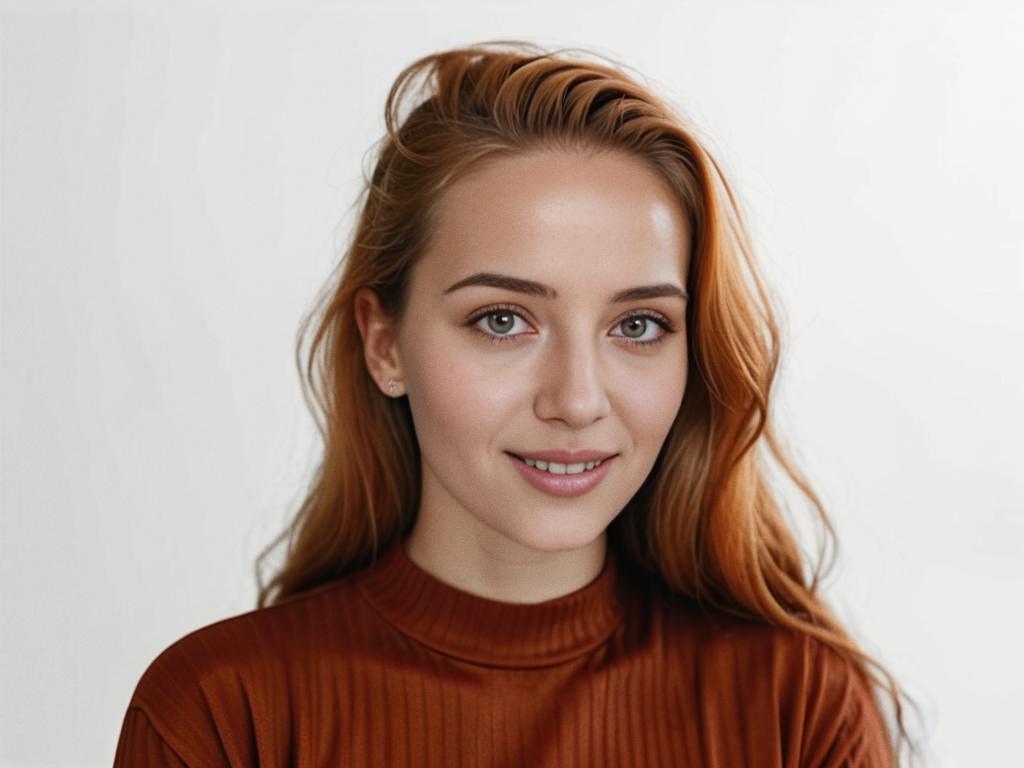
(588, 226)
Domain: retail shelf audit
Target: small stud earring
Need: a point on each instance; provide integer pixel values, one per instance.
(392, 385)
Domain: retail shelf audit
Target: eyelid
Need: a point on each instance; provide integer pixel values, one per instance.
(494, 308)
(484, 311)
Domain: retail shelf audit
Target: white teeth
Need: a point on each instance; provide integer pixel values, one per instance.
(557, 468)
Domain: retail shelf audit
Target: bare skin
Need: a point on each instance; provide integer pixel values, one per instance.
(573, 376)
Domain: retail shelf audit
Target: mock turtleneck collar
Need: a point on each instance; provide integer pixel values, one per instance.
(493, 632)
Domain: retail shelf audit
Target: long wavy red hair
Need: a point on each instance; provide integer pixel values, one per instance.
(706, 520)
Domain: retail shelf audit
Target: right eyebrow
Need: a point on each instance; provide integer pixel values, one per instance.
(507, 283)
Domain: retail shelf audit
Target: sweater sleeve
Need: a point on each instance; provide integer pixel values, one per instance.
(191, 707)
(844, 727)
(141, 745)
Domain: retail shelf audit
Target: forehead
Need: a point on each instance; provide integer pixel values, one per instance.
(566, 218)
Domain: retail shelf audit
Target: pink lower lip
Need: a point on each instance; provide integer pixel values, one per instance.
(562, 485)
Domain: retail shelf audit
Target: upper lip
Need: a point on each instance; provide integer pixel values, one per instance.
(566, 457)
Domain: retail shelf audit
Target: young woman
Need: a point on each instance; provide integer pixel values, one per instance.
(542, 532)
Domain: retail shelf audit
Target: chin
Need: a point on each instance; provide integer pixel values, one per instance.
(557, 536)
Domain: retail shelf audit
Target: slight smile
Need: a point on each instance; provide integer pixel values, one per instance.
(560, 479)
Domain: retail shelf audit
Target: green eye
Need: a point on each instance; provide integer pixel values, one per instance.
(504, 323)
(638, 323)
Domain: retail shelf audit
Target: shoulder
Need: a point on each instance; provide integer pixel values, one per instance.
(816, 699)
(215, 680)
(252, 639)
(744, 644)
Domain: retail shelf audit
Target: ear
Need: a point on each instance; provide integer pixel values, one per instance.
(380, 342)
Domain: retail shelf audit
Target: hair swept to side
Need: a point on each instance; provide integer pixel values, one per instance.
(706, 520)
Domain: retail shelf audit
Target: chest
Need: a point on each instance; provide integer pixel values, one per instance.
(643, 711)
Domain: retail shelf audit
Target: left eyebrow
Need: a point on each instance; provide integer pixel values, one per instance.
(533, 288)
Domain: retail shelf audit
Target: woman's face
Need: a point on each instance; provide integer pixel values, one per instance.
(553, 363)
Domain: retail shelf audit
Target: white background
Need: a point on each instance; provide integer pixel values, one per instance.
(176, 178)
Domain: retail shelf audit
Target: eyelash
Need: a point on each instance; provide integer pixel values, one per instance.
(667, 325)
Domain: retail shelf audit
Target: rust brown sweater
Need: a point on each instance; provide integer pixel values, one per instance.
(392, 667)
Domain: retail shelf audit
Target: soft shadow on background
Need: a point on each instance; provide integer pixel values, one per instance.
(175, 183)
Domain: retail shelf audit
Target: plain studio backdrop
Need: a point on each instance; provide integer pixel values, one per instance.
(177, 182)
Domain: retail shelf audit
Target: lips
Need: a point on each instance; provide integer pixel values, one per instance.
(561, 485)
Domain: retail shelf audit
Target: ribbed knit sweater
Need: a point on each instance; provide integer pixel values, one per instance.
(390, 666)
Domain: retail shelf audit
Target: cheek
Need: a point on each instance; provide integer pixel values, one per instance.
(649, 403)
(459, 403)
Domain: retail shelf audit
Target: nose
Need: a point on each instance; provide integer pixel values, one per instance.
(571, 386)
